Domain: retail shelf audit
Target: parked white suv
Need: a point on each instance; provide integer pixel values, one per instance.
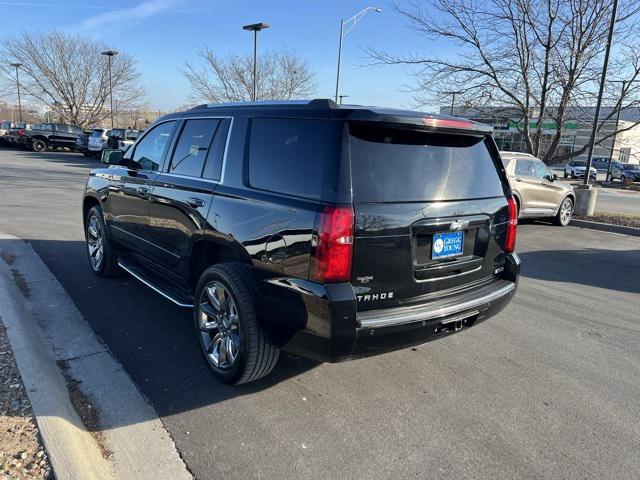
(576, 168)
(98, 141)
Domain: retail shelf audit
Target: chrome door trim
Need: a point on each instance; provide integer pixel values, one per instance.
(144, 240)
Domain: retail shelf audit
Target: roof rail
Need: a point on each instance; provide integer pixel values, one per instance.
(318, 103)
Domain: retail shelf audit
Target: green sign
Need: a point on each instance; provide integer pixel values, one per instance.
(546, 125)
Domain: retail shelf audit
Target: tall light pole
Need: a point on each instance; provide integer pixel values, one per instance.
(110, 54)
(615, 131)
(255, 28)
(453, 98)
(17, 65)
(603, 79)
(350, 23)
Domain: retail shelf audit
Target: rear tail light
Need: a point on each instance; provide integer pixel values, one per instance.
(21, 132)
(333, 245)
(510, 239)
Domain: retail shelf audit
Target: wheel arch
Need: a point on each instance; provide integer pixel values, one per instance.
(40, 137)
(207, 252)
(570, 195)
(87, 204)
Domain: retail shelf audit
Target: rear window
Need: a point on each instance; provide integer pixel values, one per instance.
(97, 133)
(394, 165)
(295, 156)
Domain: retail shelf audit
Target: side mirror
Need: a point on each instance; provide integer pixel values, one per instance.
(112, 157)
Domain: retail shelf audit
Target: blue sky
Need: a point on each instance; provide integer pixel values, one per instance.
(161, 34)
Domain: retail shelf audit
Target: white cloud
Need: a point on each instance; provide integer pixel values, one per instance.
(126, 15)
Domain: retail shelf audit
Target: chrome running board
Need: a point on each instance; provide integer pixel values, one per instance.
(131, 270)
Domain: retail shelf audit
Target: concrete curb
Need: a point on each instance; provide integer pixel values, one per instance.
(605, 227)
(47, 330)
(71, 448)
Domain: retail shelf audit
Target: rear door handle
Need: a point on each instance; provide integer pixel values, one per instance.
(518, 179)
(195, 202)
(143, 191)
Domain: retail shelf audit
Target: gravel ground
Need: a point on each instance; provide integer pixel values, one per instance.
(614, 219)
(22, 454)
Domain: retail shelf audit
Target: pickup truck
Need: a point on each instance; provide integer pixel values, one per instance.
(42, 136)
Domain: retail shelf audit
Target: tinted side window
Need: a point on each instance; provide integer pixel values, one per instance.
(193, 146)
(213, 167)
(524, 168)
(150, 150)
(295, 156)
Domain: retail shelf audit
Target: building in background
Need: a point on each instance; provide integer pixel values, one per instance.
(576, 131)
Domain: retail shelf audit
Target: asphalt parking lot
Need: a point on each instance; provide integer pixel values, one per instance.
(547, 389)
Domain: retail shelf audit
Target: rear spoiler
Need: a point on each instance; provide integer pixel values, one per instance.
(417, 120)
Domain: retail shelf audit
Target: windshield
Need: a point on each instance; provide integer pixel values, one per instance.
(631, 167)
(394, 165)
(580, 163)
(97, 133)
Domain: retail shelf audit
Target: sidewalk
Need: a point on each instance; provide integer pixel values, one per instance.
(93, 420)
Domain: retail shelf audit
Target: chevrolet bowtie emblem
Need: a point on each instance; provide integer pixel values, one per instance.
(459, 225)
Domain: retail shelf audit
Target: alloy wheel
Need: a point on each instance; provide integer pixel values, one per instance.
(565, 211)
(219, 325)
(95, 242)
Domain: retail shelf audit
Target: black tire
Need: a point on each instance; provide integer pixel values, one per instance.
(39, 145)
(562, 219)
(565, 174)
(622, 179)
(573, 174)
(107, 264)
(256, 355)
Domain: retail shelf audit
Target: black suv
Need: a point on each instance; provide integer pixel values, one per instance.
(332, 232)
(55, 135)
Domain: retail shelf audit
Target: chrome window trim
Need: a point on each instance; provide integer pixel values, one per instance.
(224, 155)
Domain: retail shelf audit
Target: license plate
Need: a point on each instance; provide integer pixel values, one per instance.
(447, 245)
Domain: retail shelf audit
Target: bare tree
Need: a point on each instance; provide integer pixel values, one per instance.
(539, 58)
(69, 74)
(282, 75)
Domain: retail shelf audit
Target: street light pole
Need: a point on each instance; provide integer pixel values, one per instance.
(350, 24)
(339, 57)
(255, 28)
(615, 132)
(17, 66)
(453, 99)
(110, 54)
(601, 92)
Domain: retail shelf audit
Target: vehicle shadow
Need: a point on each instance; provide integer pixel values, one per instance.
(57, 156)
(150, 336)
(607, 269)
